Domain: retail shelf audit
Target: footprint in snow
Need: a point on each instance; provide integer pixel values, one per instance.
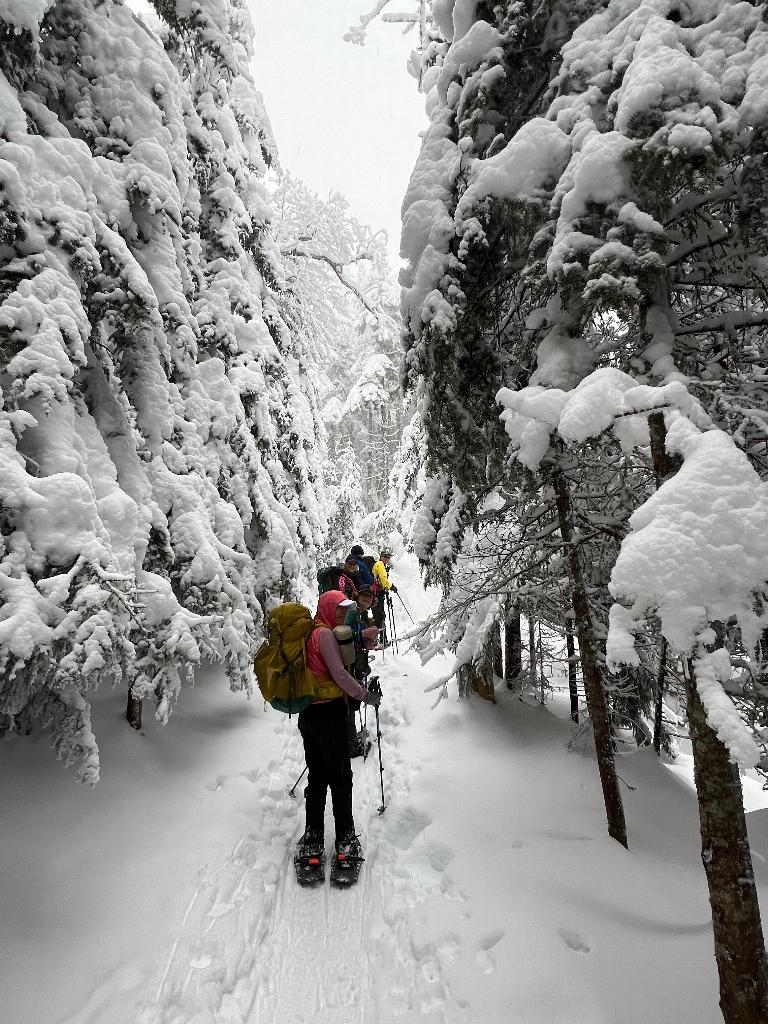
(439, 856)
(484, 956)
(448, 950)
(573, 940)
(407, 825)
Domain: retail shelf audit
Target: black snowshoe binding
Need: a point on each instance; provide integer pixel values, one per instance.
(361, 744)
(347, 861)
(309, 860)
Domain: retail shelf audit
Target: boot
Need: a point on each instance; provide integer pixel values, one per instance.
(311, 844)
(349, 849)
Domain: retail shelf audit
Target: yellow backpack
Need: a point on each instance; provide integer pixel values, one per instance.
(281, 664)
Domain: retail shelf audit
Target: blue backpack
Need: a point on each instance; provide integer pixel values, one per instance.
(366, 576)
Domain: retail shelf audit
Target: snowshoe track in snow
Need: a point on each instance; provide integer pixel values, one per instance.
(256, 948)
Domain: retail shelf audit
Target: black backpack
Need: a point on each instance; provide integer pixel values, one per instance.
(328, 578)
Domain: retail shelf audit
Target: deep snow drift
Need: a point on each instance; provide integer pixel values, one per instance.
(490, 892)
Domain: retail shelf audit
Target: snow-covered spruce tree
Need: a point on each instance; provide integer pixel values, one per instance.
(244, 291)
(459, 288)
(148, 505)
(655, 217)
(463, 301)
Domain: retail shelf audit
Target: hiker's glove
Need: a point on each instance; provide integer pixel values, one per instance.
(393, 588)
(374, 699)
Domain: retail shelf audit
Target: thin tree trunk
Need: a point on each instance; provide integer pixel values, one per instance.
(542, 677)
(590, 667)
(664, 464)
(498, 658)
(739, 947)
(513, 646)
(531, 651)
(573, 686)
(659, 715)
(133, 710)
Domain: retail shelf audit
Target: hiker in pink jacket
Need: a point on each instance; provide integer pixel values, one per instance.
(323, 728)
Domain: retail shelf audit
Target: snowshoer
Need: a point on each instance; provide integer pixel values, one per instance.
(364, 570)
(381, 576)
(350, 582)
(323, 728)
(339, 577)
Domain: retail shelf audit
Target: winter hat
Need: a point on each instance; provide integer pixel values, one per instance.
(356, 551)
(365, 590)
(386, 553)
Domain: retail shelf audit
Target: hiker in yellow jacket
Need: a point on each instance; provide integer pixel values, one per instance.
(380, 572)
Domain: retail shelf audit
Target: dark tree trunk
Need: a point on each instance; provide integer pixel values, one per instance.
(513, 646)
(658, 719)
(573, 688)
(498, 653)
(664, 464)
(464, 681)
(133, 710)
(482, 672)
(739, 947)
(590, 667)
(472, 679)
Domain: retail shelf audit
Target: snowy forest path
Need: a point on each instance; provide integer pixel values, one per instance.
(255, 948)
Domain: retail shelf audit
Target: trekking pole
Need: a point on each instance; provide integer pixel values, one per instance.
(292, 790)
(381, 766)
(392, 629)
(402, 602)
(374, 686)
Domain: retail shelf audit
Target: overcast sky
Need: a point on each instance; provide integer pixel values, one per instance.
(345, 117)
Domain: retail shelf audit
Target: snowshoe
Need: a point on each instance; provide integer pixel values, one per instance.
(347, 861)
(361, 745)
(309, 861)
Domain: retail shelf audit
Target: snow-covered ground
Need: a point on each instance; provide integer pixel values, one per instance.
(491, 891)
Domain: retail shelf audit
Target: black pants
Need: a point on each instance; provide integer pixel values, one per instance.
(323, 728)
(379, 614)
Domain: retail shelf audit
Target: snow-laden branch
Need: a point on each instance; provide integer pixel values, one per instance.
(338, 269)
(357, 33)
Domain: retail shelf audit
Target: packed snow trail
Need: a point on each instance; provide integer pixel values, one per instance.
(491, 891)
(256, 948)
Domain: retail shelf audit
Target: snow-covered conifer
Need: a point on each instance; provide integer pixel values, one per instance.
(655, 218)
(158, 477)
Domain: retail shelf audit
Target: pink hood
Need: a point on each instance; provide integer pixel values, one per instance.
(326, 607)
